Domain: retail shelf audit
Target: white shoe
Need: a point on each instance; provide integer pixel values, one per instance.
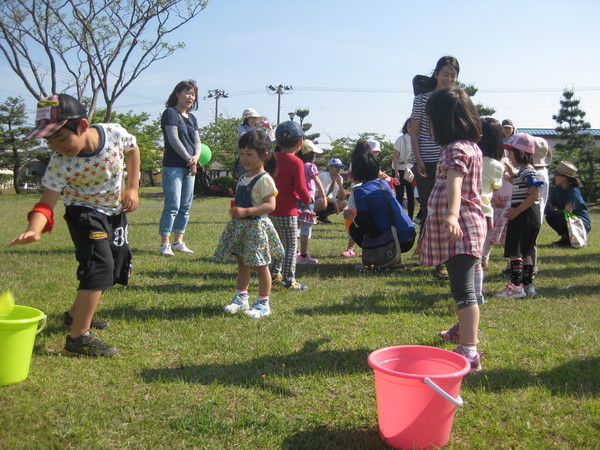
(529, 290)
(237, 304)
(258, 310)
(512, 291)
(165, 250)
(181, 247)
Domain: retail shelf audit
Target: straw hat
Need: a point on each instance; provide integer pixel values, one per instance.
(566, 169)
(309, 146)
(251, 112)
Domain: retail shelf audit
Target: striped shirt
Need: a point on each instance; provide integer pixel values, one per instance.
(428, 149)
(523, 180)
(465, 157)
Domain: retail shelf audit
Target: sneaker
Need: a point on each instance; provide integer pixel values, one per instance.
(512, 291)
(88, 344)
(529, 290)
(306, 259)
(295, 286)
(259, 309)
(165, 250)
(453, 334)
(324, 220)
(181, 247)
(98, 324)
(475, 361)
(440, 272)
(238, 303)
(349, 253)
(277, 281)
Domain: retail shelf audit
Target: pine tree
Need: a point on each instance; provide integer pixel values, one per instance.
(302, 113)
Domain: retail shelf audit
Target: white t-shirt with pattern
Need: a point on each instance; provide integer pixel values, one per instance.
(94, 179)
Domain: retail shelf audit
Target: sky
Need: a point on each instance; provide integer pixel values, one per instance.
(351, 62)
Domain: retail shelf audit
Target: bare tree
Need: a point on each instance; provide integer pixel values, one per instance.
(94, 47)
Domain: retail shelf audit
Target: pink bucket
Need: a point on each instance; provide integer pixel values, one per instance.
(417, 389)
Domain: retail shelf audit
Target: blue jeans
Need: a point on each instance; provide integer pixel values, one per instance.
(178, 188)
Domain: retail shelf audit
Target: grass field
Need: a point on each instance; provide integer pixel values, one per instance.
(187, 376)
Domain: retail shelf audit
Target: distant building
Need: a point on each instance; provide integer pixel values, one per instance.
(551, 135)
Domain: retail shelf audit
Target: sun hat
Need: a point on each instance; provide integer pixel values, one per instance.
(543, 153)
(309, 146)
(566, 169)
(52, 114)
(521, 141)
(375, 145)
(508, 123)
(336, 162)
(292, 129)
(251, 112)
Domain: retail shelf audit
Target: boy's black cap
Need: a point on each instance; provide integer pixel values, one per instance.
(53, 112)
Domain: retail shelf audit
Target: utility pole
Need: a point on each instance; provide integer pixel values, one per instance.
(217, 94)
(279, 90)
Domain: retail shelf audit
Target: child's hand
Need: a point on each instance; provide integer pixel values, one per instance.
(238, 212)
(511, 213)
(25, 238)
(130, 200)
(453, 228)
(348, 214)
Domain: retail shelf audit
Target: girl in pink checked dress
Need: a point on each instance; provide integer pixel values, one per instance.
(455, 228)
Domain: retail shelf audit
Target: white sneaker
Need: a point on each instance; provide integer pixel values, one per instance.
(529, 290)
(512, 291)
(258, 310)
(165, 250)
(238, 303)
(181, 247)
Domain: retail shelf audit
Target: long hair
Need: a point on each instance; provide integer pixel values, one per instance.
(365, 165)
(259, 141)
(183, 86)
(452, 116)
(491, 142)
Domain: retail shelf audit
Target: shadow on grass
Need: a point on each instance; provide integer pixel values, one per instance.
(327, 438)
(267, 372)
(163, 313)
(578, 377)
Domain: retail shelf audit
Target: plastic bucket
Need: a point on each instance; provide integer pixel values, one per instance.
(17, 335)
(417, 391)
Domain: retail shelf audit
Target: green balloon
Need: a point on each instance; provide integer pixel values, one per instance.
(205, 154)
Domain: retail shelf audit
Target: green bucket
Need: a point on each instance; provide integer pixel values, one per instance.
(17, 335)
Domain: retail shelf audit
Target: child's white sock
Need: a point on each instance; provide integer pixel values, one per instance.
(241, 291)
(470, 350)
(263, 299)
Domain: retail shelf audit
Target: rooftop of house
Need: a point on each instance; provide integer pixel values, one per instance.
(551, 132)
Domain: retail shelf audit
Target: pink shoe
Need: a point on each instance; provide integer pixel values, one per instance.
(349, 253)
(306, 259)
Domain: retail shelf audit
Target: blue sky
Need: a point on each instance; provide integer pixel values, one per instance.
(351, 62)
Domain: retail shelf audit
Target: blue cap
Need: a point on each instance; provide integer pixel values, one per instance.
(289, 129)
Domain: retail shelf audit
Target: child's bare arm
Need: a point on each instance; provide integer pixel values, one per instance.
(454, 185)
(38, 220)
(534, 193)
(238, 212)
(130, 195)
(320, 187)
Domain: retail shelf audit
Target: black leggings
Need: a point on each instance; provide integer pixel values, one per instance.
(461, 274)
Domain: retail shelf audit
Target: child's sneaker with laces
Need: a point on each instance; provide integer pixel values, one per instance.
(277, 281)
(512, 291)
(529, 290)
(452, 334)
(349, 253)
(475, 361)
(181, 247)
(166, 250)
(295, 286)
(88, 344)
(306, 259)
(259, 309)
(238, 303)
(99, 324)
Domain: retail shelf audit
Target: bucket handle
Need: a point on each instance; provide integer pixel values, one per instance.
(42, 324)
(458, 401)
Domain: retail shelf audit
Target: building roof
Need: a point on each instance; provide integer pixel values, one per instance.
(551, 132)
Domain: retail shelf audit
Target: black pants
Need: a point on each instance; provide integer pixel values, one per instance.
(556, 220)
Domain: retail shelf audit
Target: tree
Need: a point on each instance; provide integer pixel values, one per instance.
(302, 113)
(98, 47)
(471, 90)
(15, 152)
(222, 139)
(577, 143)
(343, 147)
(148, 137)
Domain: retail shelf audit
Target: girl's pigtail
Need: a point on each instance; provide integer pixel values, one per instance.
(270, 164)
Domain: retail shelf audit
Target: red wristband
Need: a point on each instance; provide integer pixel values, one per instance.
(46, 210)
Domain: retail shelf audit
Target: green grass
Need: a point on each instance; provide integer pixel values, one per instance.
(188, 376)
